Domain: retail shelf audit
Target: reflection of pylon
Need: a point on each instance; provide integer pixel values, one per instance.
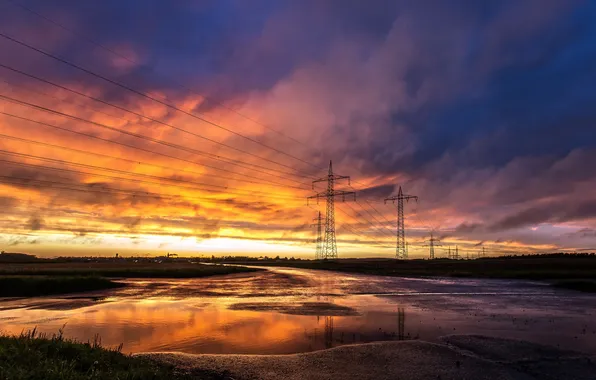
(328, 332)
(401, 323)
(330, 249)
(401, 252)
(319, 249)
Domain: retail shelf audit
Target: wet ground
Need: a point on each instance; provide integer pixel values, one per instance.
(286, 311)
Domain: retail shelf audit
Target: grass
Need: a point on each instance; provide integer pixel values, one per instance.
(553, 267)
(35, 356)
(31, 286)
(125, 269)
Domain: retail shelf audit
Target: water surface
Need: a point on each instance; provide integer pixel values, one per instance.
(288, 310)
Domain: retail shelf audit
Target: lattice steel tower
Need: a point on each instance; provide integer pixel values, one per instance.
(432, 243)
(401, 251)
(330, 246)
(318, 224)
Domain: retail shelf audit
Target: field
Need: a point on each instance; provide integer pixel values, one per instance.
(33, 356)
(120, 269)
(31, 286)
(540, 267)
(60, 277)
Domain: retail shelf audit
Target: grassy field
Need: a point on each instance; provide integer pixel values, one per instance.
(124, 269)
(524, 267)
(31, 286)
(51, 277)
(36, 357)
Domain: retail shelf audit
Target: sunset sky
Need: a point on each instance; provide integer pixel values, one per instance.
(198, 126)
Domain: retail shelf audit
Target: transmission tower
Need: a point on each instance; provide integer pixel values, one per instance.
(329, 250)
(456, 255)
(483, 252)
(401, 251)
(432, 243)
(319, 249)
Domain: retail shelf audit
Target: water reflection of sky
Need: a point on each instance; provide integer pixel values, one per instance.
(290, 311)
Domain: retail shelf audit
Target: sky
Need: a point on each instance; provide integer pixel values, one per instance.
(197, 126)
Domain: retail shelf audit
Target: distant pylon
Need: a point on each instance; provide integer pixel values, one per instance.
(401, 251)
(319, 249)
(330, 247)
(456, 256)
(483, 252)
(432, 243)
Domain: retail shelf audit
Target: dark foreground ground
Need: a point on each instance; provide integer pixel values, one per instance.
(31, 356)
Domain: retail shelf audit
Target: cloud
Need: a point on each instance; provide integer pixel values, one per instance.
(482, 110)
(35, 223)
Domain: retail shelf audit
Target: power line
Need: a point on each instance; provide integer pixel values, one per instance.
(91, 188)
(350, 228)
(152, 69)
(144, 149)
(142, 94)
(379, 223)
(136, 162)
(125, 173)
(368, 221)
(151, 139)
(151, 119)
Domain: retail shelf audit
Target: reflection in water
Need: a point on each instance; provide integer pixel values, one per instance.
(290, 310)
(328, 332)
(401, 321)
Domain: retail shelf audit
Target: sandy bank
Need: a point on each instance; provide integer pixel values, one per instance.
(457, 357)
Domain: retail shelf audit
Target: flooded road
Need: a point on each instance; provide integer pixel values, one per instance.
(286, 310)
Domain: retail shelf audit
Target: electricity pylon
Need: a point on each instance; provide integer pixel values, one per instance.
(401, 251)
(330, 247)
(432, 243)
(319, 249)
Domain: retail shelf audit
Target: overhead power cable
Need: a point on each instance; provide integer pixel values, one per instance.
(136, 180)
(147, 138)
(136, 162)
(154, 120)
(144, 95)
(145, 150)
(149, 66)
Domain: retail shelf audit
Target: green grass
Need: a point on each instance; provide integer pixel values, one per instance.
(34, 356)
(121, 270)
(32, 286)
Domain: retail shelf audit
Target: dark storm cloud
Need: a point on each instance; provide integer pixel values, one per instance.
(553, 212)
(376, 192)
